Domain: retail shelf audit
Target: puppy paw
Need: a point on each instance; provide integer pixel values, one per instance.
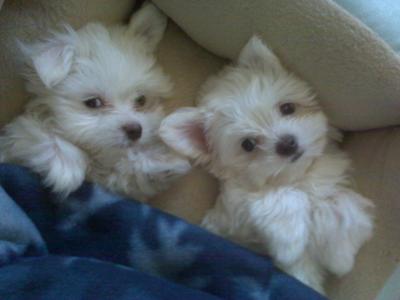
(65, 168)
(64, 180)
(180, 167)
(282, 223)
(166, 174)
(173, 170)
(342, 267)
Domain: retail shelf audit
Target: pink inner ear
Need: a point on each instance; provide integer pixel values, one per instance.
(195, 133)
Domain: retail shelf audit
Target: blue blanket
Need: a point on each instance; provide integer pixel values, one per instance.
(97, 245)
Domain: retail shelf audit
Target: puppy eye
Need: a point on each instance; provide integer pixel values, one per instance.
(249, 144)
(141, 101)
(94, 102)
(287, 108)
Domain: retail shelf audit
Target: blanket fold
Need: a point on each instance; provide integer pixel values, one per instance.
(97, 245)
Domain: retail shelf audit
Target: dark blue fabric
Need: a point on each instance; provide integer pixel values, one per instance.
(56, 278)
(97, 245)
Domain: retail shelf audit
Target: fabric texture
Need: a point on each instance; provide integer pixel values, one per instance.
(382, 16)
(68, 277)
(105, 240)
(353, 71)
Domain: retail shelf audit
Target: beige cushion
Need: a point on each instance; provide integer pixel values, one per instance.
(354, 72)
(28, 19)
(376, 163)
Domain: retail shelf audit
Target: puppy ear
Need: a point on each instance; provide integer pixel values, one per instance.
(51, 59)
(256, 54)
(185, 132)
(53, 64)
(149, 23)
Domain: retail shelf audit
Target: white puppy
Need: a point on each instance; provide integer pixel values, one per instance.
(284, 185)
(96, 110)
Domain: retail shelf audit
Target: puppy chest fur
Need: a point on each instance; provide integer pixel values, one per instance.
(316, 220)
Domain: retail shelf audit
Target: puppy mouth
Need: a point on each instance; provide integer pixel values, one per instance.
(126, 144)
(296, 156)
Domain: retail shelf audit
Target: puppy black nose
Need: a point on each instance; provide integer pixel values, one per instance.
(287, 145)
(133, 131)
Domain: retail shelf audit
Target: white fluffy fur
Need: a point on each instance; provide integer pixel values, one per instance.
(65, 141)
(301, 212)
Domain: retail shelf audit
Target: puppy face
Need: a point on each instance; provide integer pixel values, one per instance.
(102, 84)
(257, 121)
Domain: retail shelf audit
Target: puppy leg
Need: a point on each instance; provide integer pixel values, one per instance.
(307, 270)
(62, 165)
(342, 226)
(218, 221)
(168, 172)
(165, 169)
(282, 222)
(142, 175)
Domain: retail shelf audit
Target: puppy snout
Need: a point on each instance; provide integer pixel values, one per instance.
(133, 131)
(287, 145)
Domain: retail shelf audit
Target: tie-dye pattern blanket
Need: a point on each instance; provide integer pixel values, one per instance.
(97, 245)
